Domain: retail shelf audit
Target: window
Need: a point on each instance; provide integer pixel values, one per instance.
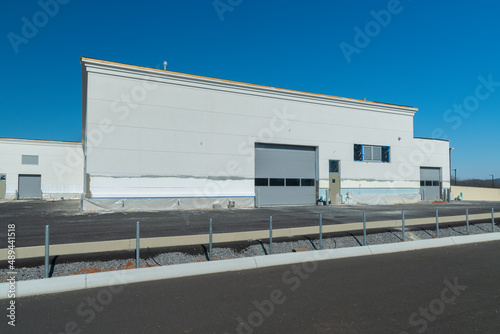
(260, 182)
(386, 154)
(358, 152)
(29, 159)
(429, 183)
(372, 153)
(292, 182)
(334, 166)
(276, 182)
(307, 182)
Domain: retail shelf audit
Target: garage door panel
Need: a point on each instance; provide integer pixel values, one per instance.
(30, 186)
(430, 183)
(275, 196)
(428, 173)
(294, 163)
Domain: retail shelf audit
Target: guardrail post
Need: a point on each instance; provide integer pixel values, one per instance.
(210, 242)
(437, 223)
(270, 234)
(403, 223)
(320, 231)
(137, 246)
(467, 220)
(364, 229)
(46, 251)
(492, 220)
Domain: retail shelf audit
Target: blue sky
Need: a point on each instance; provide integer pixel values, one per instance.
(436, 56)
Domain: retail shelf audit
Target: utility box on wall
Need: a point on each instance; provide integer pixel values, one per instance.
(3, 187)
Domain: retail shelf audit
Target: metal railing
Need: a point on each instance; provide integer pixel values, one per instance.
(320, 231)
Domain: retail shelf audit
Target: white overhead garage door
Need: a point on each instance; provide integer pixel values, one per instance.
(430, 183)
(30, 186)
(285, 174)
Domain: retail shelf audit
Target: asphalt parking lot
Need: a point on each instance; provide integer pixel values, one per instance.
(69, 225)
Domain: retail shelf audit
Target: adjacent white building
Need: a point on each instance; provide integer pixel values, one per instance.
(40, 169)
(165, 140)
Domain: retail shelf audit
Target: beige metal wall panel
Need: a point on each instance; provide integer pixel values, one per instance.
(476, 193)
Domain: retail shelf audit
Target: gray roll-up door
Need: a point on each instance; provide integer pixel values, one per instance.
(430, 183)
(30, 186)
(285, 174)
(3, 185)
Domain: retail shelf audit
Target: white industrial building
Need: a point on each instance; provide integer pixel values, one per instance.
(40, 169)
(164, 140)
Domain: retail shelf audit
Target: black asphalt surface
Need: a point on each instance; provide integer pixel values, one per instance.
(443, 290)
(68, 225)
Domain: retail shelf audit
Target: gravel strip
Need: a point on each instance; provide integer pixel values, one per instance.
(262, 248)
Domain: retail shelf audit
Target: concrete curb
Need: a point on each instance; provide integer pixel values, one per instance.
(104, 279)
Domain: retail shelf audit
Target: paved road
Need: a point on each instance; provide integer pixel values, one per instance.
(444, 290)
(68, 225)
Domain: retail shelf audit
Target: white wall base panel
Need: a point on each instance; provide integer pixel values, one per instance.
(382, 199)
(148, 204)
(167, 186)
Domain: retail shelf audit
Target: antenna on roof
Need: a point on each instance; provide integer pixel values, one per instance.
(165, 65)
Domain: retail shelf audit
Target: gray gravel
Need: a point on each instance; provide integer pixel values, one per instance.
(262, 248)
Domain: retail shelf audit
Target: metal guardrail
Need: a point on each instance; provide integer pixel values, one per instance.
(120, 245)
